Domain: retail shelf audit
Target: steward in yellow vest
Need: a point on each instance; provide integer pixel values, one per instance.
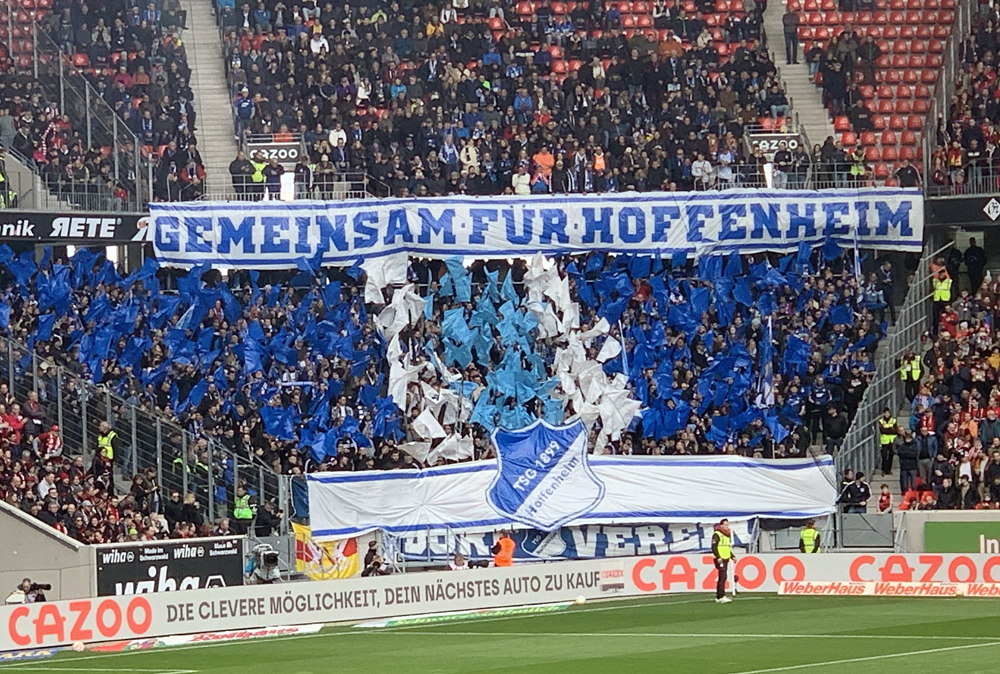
(722, 551)
(243, 511)
(809, 539)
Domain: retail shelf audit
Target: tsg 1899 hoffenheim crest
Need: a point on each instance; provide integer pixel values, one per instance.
(543, 478)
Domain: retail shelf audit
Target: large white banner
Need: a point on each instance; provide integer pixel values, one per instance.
(145, 616)
(274, 234)
(631, 490)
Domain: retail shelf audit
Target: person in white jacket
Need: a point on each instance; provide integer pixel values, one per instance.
(521, 181)
(701, 171)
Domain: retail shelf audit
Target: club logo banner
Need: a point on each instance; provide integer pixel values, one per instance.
(273, 235)
(484, 495)
(543, 478)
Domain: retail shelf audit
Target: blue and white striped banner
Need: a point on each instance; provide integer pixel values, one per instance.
(274, 234)
(636, 490)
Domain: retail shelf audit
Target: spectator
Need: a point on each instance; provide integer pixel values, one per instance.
(975, 263)
(908, 453)
(790, 28)
(856, 495)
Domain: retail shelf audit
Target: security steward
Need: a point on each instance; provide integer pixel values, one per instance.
(887, 432)
(942, 294)
(257, 177)
(809, 539)
(104, 458)
(722, 551)
(243, 511)
(503, 550)
(910, 373)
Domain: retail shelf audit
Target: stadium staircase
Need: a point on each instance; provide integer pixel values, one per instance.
(211, 95)
(805, 99)
(912, 36)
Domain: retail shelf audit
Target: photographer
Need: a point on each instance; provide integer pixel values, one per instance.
(29, 593)
(376, 568)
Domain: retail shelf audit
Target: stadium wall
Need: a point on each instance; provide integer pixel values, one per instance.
(146, 616)
(913, 524)
(33, 550)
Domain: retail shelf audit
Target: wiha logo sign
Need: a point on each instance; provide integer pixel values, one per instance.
(117, 557)
(169, 566)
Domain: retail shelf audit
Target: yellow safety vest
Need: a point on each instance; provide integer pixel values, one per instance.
(258, 171)
(242, 509)
(808, 537)
(915, 368)
(104, 446)
(724, 546)
(942, 289)
(886, 431)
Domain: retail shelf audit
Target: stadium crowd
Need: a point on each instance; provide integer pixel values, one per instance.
(135, 60)
(965, 159)
(304, 375)
(949, 451)
(490, 98)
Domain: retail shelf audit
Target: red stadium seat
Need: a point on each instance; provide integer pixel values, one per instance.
(849, 139)
(908, 153)
(889, 138)
(921, 106)
(872, 154)
(923, 91)
(868, 138)
(879, 122)
(881, 171)
(908, 138)
(893, 76)
(914, 123)
(890, 153)
(867, 92)
(897, 123)
(841, 123)
(904, 106)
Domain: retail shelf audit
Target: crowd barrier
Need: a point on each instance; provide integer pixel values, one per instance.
(146, 616)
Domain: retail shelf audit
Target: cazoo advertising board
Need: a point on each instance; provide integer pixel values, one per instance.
(138, 616)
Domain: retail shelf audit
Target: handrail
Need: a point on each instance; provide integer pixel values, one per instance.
(945, 86)
(149, 441)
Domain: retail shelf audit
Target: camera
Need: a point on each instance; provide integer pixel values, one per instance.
(35, 587)
(263, 567)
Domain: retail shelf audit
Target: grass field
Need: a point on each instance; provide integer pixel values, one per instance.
(680, 634)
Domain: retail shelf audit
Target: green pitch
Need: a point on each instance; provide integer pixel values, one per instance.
(682, 634)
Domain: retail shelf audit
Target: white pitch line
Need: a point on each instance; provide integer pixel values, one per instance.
(706, 635)
(473, 619)
(870, 658)
(116, 669)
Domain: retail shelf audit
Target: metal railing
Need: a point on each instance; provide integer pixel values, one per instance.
(100, 127)
(980, 177)
(860, 450)
(945, 88)
(181, 460)
(39, 191)
(338, 187)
